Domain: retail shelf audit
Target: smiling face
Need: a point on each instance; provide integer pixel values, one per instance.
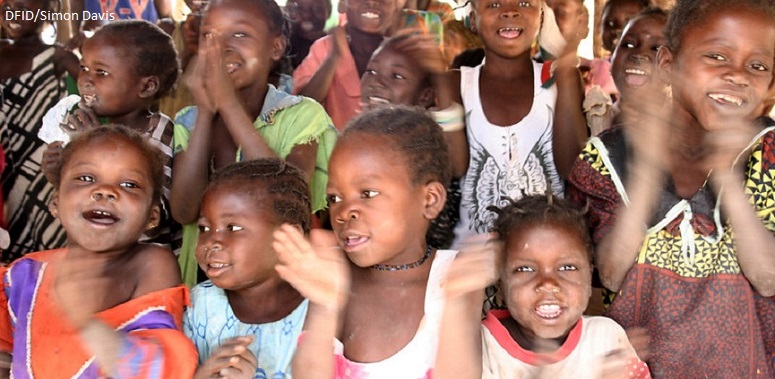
(17, 28)
(507, 27)
(378, 214)
(249, 48)
(615, 18)
(371, 16)
(547, 278)
(633, 65)
(107, 81)
(391, 78)
(308, 16)
(235, 238)
(105, 195)
(723, 69)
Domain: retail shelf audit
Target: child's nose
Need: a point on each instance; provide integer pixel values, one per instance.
(104, 193)
(347, 212)
(548, 283)
(736, 75)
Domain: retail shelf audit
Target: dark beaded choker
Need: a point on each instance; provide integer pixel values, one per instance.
(407, 266)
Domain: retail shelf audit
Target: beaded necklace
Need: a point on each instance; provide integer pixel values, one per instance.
(417, 263)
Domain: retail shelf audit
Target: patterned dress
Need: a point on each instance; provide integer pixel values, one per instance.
(44, 344)
(686, 288)
(210, 321)
(25, 99)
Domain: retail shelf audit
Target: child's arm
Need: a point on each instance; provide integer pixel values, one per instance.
(321, 274)
(753, 241)
(460, 340)
(569, 129)
(317, 85)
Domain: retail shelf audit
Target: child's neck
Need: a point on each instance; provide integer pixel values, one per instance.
(506, 68)
(139, 120)
(362, 46)
(252, 98)
(527, 340)
(277, 298)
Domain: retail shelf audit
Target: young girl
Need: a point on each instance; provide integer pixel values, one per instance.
(335, 62)
(633, 68)
(105, 306)
(545, 272)
(126, 66)
(239, 116)
(31, 81)
(522, 138)
(387, 182)
(243, 205)
(699, 277)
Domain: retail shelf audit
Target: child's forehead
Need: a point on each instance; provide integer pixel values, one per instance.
(552, 239)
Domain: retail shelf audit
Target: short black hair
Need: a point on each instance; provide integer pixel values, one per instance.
(153, 50)
(155, 158)
(643, 4)
(278, 22)
(272, 182)
(687, 14)
(533, 210)
(414, 134)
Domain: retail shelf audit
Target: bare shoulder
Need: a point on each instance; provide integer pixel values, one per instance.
(156, 268)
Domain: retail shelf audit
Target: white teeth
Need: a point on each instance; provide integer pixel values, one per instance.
(634, 71)
(509, 29)
(726, 98)
(548, 310)
(218, 265)
(378, 100)
(14, 25)
(88, 99)
(370, 15)
(102, 213)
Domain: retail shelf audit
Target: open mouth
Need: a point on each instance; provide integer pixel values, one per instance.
(307, 26)
(725, 99)
(231, 67)
(549, 311)
(370, 15)
(14, 25)
(88, 100)
(355, 241)
(509, 32)
(635, 77)
(100, 217)
(377, 100)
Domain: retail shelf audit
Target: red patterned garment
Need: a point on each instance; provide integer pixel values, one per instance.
(686, 288)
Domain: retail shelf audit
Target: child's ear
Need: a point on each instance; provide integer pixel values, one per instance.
(150, 85)
(427, 98)
(435, 198)
(664, 63)
(53, 205)
(154, 218)
(278, 48)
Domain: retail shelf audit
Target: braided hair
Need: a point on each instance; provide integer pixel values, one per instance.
(272, 183)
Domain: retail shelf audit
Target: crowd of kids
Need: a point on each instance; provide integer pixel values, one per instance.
(405, 194)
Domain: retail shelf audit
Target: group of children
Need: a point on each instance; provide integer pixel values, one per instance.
(656, 211)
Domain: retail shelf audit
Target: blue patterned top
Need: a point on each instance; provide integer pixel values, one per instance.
(210, 321)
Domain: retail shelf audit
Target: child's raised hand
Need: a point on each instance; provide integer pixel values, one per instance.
(423, 49)
(726, 147)
(51, 157)
(319, 271)
(231, 360)
(474, 268)
(217, 82)
(339, 35)
(83, 119)
(195, 82)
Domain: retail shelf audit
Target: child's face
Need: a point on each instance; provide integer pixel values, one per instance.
(723, 69)
(105, 196)
(308, 16)
(567, 13)
(507, 27)
(547, 278)
(390, 78)
(235, 239)
(18, 27)
(249, 48)
(633, 65)
(377, 213)
(614, 20)
(371, 16)
(107, 81)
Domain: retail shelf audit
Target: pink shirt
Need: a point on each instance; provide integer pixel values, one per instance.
(600, 74)
(343, 99)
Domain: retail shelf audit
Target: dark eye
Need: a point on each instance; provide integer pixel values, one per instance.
(368, 194)
(86, 178)
(333, 199)
(524, 269)
(102, 73)
(494, 5)
(399, 76)
(568, 268)
(129, 185)
(234, 228)
(83, 68)
(524, 4)
(716, 57)
(240, 35)
(203, 228)
(760, 67)
(370, 72)
(628, 45)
